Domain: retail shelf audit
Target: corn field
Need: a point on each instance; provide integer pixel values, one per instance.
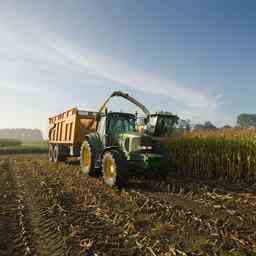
(226, 154)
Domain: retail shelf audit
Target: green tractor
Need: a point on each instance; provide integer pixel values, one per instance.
(161, 124)
(119, 151)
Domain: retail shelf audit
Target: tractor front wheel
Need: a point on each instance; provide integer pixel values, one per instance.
(114, 169)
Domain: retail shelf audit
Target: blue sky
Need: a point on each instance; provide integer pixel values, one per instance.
(193, 58)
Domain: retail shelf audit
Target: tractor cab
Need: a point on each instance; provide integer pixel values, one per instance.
(112, 124)
(160, 124)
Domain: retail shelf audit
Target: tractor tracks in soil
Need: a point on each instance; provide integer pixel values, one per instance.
(146, 218)
(225, 217)
(26, 227)
(199, 196)
(14, 238)
(88, 229)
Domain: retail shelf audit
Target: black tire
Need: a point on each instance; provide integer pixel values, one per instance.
(87, 158)
(55, 154)
(50, 153)
(114, 169)
(58, 154)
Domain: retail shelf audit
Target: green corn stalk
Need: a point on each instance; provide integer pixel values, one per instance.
(221, 154)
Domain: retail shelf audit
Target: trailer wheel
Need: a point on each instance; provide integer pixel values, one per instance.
(87, 158)
(114, 169)
(58, 154)
(50, 153)
(55, 154)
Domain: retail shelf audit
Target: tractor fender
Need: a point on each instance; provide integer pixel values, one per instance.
(110, 148)
(117, 148)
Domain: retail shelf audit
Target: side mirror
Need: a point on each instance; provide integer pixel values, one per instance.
(146, 120)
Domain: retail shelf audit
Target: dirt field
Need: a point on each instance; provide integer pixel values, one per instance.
(53, 209)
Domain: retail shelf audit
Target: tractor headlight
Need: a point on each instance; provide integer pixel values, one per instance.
(140, 143)
(146, 147)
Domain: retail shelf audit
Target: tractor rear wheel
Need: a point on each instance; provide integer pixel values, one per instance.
(87, 158)
(114, 169)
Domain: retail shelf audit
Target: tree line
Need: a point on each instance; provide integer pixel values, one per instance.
(244, 120)
(22, 134)
(180, 125)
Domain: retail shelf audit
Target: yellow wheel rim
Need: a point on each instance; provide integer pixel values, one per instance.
(86, 157)
(110, 169)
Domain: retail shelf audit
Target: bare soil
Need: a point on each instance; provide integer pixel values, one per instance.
(53, 209)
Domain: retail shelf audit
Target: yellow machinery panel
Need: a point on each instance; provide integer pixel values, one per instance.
(71, 126)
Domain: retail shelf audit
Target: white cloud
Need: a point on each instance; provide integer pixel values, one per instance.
(109, 69)
(39, 48)
(194, 104)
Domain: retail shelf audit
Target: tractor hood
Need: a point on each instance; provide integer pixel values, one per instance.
(135, 141)
(130, 134)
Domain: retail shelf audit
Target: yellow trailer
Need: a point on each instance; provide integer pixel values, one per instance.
(67, 131)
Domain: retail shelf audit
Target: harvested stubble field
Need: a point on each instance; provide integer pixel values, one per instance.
(53, 209)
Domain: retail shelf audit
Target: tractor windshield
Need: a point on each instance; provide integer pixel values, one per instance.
(121, 123)
(164, 125)
(161, 125)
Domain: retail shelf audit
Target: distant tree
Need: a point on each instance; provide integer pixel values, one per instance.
(209, 126)
(226, 126)
(24, 135)
(206, 126)
(184, 125)
(246, 120)
(198, 127)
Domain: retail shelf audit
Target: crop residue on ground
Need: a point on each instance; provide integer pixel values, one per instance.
(53, 209)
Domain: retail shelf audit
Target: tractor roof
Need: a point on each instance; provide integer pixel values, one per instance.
(163, 114)
(121, 114)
